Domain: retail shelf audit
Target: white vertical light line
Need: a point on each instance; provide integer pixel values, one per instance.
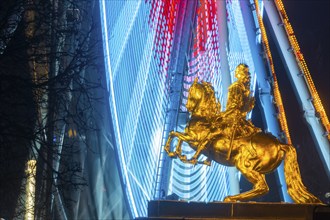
(253, 86)
(121, 154)
(126, 36)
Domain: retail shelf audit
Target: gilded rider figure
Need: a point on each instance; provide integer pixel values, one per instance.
(240, 102)
(232, 122)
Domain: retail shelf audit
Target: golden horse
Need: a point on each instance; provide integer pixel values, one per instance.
(254, 156)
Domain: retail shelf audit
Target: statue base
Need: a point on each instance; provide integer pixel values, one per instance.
(169, 209)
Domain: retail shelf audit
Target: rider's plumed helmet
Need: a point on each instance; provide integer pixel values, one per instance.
(242, 70)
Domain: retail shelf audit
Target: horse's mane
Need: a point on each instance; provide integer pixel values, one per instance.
(213, 107)
(211, 99)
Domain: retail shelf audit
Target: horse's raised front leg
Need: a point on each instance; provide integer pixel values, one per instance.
(178, 151)
(200, 148)
(182, 137)
(167, 147)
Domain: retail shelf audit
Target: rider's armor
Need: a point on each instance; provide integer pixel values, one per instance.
(234, 118)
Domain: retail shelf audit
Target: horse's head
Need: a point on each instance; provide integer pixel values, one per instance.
(201, 99)
(195, 95)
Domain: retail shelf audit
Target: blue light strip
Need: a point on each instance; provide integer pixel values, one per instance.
(138, 97)
(114, 108)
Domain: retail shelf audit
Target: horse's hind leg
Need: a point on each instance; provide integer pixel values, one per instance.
(260, 186)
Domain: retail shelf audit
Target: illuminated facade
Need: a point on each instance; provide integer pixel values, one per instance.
(154, 50)
(138, 98)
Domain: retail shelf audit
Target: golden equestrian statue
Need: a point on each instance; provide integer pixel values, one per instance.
(231, 140)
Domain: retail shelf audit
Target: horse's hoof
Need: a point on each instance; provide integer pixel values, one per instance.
(193, 161)
(172, 154)
(183, 157)
(229, 199)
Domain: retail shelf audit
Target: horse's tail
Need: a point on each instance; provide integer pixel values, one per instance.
(296, 188)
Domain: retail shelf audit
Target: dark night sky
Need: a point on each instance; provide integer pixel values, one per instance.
(310, 21)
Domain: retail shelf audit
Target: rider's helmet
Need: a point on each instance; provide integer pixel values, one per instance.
(242, 71)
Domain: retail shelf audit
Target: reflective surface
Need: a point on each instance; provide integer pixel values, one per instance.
(229, 139)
